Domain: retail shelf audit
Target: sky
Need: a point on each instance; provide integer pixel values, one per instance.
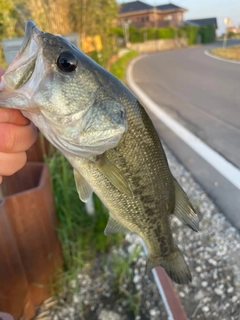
(198, 9)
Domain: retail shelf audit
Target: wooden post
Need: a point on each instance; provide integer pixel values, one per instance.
(14, 293)
(31, 214)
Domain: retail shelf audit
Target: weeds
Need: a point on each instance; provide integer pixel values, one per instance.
(122, 274)
(118, 68)
(121, 266)
(229, 52)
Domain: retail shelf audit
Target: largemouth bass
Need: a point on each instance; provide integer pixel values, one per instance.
(108, 138)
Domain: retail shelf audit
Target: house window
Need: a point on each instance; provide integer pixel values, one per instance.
(142, 19)
(168, 17)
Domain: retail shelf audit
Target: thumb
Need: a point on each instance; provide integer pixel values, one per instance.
(13, 116)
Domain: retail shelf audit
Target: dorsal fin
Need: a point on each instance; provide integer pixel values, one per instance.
(183, 209)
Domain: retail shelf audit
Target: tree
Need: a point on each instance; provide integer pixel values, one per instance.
(85, 17)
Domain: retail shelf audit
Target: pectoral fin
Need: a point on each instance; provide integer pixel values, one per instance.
(114, 175)
(114, 227)
(183, 208)
(83, 188)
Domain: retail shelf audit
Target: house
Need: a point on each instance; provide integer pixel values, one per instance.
(202, 22)
(142, 15)
(232, 29)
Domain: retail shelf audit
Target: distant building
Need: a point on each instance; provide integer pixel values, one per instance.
(232, 29)
(143, 15)
(202, 22)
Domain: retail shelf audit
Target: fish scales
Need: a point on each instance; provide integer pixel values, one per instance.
(107, 136)
(139, 158)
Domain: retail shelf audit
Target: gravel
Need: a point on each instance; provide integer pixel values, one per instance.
(213, 255)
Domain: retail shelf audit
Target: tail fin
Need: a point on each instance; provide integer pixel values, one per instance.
(183, 208)
(175, 266)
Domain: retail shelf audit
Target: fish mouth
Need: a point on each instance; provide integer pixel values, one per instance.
(30, 25)
(22, 67)
(18, 82)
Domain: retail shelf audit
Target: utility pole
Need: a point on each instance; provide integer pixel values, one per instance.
(227, 21)
(155, 16)
(155, 23)
(125, 27)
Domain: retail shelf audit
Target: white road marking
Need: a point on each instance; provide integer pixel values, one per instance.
(207, 53)
(224, 167)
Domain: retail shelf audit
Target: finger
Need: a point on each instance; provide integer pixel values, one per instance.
(11, 162)
(13, 116)
(16, 138)
(1, 179)
(2, 71)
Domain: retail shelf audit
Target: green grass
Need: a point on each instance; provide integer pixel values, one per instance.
(122, 276)
(118, 68)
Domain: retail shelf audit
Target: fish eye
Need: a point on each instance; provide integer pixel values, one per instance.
(67, 62)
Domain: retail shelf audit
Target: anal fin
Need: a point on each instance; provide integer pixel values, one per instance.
(83, 188)
(113, 226)
(183, 209)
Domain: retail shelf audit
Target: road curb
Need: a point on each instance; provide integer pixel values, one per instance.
(207, 53)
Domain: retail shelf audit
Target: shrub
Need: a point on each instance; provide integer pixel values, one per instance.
(135, 35)
(118, 68)
(166, 33)
(194, 34)
(207, 33)
(190, 32)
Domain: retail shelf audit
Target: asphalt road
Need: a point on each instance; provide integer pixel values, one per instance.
(203, 94)
(200, 92)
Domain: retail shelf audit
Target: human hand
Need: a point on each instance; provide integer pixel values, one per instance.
(17, 135)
